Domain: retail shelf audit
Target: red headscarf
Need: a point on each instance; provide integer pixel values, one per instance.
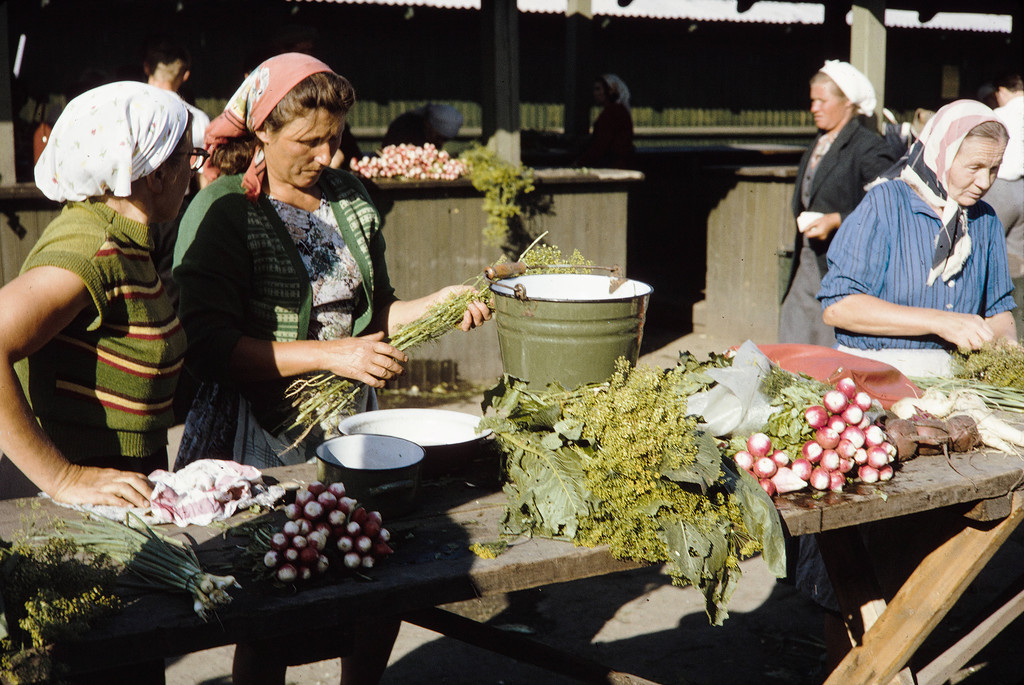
(254, 100)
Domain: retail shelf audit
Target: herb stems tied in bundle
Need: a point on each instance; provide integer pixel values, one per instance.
(322, 399)
(157, 560)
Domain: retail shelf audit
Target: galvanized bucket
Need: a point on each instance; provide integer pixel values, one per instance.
(568, 328)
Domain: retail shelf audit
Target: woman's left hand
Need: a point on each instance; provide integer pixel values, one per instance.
(476, 313)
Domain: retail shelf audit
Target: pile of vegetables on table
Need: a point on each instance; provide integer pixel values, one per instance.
(678, 466)
(322, 524)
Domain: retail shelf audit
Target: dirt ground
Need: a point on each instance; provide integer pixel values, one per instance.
(636, 622)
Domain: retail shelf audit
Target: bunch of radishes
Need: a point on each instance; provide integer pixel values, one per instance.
(324, 523)
(845, 441)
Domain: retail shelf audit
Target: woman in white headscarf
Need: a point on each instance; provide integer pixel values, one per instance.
(91, 345)
(919, 268)
(611, 141)
(845, 156)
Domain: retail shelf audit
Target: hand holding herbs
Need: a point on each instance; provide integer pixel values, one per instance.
(321, 400)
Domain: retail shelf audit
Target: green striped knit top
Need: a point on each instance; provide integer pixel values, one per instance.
(104, 385)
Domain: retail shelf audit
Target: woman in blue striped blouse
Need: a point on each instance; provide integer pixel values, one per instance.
(919, 268)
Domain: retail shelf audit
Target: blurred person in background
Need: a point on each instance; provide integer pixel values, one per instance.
(432, 123)
(611, 140)
(846, 155)
(1007, 192)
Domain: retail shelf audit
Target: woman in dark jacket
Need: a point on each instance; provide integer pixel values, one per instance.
(845, 157)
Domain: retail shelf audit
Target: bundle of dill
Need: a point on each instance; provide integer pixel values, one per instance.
(997, 363)
(622, 463)
(49, 593)
(321, 399)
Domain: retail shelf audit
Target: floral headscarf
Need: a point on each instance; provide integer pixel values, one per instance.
(925, 168)
(253, 102)
(108, 137)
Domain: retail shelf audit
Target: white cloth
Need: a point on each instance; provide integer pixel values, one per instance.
(108, 137)
(1012, 116)
(855, 85)
(205, 491)
(619, 87)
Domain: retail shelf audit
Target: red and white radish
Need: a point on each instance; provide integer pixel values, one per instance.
(829, 460)
(811, 451)
(780, 457)
(835, 401)
(853, 415)
(820, 478)
(827, 437)
(759, 445)
(802, 468)
(855, 435)
(874, 435)
(816, 416)
(744, 459)
(863, 400)
(868, 473)
(765, 467)
(846, 386)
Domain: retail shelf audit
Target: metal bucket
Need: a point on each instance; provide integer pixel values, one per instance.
(568, 328)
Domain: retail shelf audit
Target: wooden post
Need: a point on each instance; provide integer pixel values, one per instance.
(500, 42)
(867, 46)
(579, 44)
(8, 174)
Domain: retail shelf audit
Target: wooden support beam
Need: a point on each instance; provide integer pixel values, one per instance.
(579, 46)
(923, 600)
(868, 45)
(8, 172)
(500, 99)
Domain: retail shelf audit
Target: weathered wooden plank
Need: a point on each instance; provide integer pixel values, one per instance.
(921, 484)
(944, 667)
(922, 602)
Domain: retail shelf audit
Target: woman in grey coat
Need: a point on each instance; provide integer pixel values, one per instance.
(830, 182)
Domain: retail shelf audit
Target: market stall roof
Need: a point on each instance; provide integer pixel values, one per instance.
(763, 11)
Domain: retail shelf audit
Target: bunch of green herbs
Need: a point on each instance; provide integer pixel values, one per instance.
(50, 592)
(789, 395)
(503, 184)
(622, 464)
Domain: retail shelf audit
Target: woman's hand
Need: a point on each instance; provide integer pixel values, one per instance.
(476, 313)
(366, 358)
(968, 331)
(822, 227)
(88, 485)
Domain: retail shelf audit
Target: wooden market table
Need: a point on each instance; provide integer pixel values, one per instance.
(971, 513)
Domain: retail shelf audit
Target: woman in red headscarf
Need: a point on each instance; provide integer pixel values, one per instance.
(281, 269)
(281, 272)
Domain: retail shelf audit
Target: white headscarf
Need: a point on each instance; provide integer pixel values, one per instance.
(108, 137)
(618, 86)
(925, 168)
(855, 85)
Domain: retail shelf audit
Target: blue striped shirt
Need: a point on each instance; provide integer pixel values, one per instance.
(885, 249)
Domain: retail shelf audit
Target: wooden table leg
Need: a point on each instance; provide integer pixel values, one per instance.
(923, 600)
